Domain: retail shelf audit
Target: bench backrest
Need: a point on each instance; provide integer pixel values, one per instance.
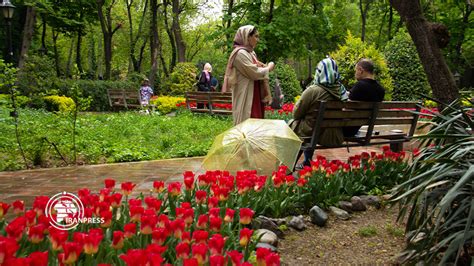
(334, 114)
(208, 98)
(119, 97)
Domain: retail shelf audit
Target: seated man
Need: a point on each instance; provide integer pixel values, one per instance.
(366, 89)
(325, 86)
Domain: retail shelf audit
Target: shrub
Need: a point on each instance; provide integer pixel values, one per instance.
(59, 103)
(6, 100)
(349, 54)
(167, 104)
(182, 78)
(38, 76)
(409, 78)
(7, 76)
(288, 81)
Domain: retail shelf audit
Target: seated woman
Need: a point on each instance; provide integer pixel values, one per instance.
(326, 87)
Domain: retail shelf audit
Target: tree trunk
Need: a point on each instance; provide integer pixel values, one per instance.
(175, 26)
(228, 35)
(390, 21)
(440, 78)
(363, 16)
(78, 53)
(107, 32)
(69, 60)
(56, 54)
(43, 49)
(464, 26)
(170, 36)
(154, 41)
(28, 31)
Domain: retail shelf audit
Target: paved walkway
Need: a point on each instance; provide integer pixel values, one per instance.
(28, 184)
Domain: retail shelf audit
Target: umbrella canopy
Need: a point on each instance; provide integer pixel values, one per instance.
(255, 144)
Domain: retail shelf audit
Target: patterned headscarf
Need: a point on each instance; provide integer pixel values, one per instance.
(327, 74)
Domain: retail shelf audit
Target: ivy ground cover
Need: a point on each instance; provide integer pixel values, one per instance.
(204, 220)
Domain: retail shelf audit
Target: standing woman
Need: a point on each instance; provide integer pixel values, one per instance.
(247, 77)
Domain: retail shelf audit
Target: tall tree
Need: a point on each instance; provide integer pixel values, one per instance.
(364, 11)
(176, 28)
(28, 31)
(428, 46)
(108, 30)
(134, 38)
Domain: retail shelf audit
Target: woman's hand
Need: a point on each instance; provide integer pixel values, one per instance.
(271, 66)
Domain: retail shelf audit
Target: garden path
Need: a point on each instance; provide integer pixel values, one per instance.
(26, 185)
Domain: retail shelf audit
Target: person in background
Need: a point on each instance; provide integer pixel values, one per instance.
(146, 92)
(247, 77)
(326, 87)
(204, 83)
(366, 89)
(214, 84)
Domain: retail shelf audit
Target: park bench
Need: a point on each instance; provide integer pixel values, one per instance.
(212, 102)
(335, 114)
(123, 98)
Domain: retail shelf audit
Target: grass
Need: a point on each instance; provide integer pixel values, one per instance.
(105, 137)
(367, 231)
(394, 231)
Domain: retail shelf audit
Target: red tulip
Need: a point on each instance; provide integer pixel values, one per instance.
(57, 238)
(214, 212)
(136, 213)
(177, 227)
(115, 200)
(30, 216)
(18, 207)
(201, 196)
(127, 188)
(182, 250)
(246, 215)
(188, 216)
(200, 253)
(107, 216)
(16, 227)
(134, 202)
(109, 183)
(147, 224)
(261, 254)
(153, 203)
(156, 249)
(174, 189)
(212, 202)
(301, 182)
(200, 236)
(130, 230)
(216, 244)
(8, 248)
(245, 235)
(235, 257)
(117, 240)
(217, 260)
(188, 180)
(39, 205)
(36, 233)
(159, 235)
(158, 186)
(92, 241)
(215, 223)
(71, 253)
(190, 262)
(229, 215)
(135, 257)
(163, 221)
(38, 258)
(272, 259)
(202, 221)
(186, 237)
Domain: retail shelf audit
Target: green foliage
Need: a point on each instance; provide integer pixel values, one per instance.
(37, 76)
(56, 103)
(394, 231)
(182, 78)
(7, 76)
(166, 104)
(288, 81)
(438, 194)
(351, 52)
(6, 100)
(409, 78)
(367, 231)
(110, 137)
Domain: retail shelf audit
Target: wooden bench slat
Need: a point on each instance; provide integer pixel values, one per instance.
(209, 99)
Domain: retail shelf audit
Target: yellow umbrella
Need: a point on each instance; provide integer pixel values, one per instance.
(255, 144)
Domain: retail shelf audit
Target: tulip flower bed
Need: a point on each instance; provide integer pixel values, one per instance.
(203, 221)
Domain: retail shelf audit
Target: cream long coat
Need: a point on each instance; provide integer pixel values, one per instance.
(241, 81)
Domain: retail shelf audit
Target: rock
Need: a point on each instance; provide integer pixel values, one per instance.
(318, 216)
(262, 222)
(267, 237)
(172, 114)
(267, 246)
(345, 205)
(386, 197)
(340, 214)
(371, 201)
(297, 223)
(357, 204)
